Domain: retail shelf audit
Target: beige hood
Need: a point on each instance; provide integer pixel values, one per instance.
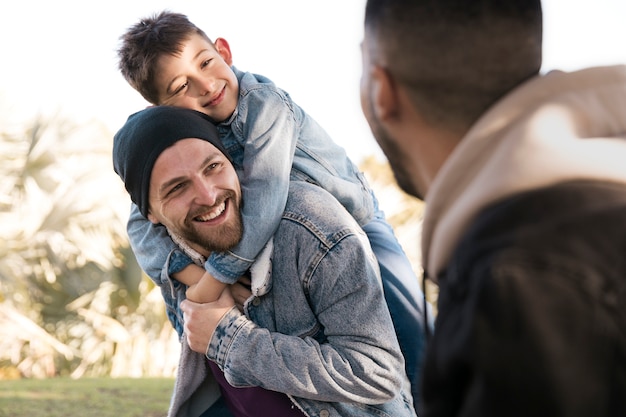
(556, 127)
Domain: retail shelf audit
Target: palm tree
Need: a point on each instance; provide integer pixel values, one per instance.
(72, 297)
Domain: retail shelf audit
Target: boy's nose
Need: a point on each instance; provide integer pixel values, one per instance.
(206, 86)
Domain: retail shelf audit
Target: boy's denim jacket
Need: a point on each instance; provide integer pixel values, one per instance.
(317, 280)
(271, 140)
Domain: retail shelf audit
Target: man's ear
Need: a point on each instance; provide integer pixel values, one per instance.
(223, 48)
(152, 218)
(384, 94)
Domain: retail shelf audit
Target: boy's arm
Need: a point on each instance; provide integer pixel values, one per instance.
(269, 137)
(203, 288)
(152, 244)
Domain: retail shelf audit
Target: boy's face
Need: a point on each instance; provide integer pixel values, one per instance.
(195, 193)
(199, 78)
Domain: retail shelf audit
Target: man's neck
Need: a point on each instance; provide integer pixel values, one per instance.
(198, 255)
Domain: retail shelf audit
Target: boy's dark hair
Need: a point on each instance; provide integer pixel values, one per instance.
(147, 40)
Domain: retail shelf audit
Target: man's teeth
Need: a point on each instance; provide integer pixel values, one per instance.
(213, 214)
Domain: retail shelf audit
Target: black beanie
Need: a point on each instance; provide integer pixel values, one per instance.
(145, 135)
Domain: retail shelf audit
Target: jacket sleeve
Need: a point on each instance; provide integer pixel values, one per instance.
(152, 245)
(357, 360)
(269, 135)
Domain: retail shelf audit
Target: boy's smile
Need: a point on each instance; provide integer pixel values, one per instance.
(199, 78)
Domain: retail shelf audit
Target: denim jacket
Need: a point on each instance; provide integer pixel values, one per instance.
(270, 140)
(321, 284)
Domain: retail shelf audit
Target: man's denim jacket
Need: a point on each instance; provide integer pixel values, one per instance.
(316, 327)
(271, 141)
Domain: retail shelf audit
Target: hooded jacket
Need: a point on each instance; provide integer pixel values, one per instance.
(525, 232)
(552, 129)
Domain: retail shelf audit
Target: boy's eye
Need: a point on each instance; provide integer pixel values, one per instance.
(181, 88)
(205, 63)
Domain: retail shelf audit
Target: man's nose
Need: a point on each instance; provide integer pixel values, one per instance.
(206, 193)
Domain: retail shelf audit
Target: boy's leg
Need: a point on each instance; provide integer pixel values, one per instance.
(404, 297)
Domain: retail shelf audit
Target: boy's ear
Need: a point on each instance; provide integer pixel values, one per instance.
(223, 48)
(384, 93)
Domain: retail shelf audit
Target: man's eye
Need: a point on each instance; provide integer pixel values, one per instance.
(211, 168)
(173, 190)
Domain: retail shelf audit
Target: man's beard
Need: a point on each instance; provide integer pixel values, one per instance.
(396, 162)
(396, 157)
(221, 238)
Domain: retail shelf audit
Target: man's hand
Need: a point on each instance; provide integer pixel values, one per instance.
(202, 319)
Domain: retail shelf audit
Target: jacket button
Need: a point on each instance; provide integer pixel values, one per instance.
(324, 413)
(256, 301)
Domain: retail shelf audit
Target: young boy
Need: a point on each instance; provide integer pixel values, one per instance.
(272, 141)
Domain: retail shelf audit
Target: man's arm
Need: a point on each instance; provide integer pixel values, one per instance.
(359, 361)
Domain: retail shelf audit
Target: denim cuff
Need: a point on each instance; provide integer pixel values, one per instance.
(223, 335)
(178, 261)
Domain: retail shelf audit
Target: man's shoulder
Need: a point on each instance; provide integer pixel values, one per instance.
(580, 198)
(312, 206)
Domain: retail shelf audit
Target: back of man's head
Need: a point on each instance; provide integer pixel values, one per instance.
(147, 40)
(457, 57)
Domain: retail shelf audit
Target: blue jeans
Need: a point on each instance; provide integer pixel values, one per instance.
(403, 295)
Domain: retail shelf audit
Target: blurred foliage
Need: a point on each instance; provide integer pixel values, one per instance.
(404, 212)
(73, 301)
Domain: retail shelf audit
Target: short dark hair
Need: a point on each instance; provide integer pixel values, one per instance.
(146, 41)
(457, 56)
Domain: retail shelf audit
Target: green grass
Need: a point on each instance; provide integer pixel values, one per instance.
(92, 397)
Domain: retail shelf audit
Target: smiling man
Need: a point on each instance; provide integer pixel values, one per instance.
(315, 337)
(209, 217)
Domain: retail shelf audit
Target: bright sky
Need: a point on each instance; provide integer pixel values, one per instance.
(60, 55)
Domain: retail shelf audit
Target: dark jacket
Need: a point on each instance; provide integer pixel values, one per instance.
(525, 232)
(533, 300)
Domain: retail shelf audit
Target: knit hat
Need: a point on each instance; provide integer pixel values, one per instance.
(145, 135)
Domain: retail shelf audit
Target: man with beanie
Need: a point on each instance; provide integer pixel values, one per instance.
(316, 337)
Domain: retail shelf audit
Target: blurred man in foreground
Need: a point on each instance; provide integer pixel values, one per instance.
(524, 178)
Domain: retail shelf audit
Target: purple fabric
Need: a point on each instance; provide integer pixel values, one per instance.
(254, 401)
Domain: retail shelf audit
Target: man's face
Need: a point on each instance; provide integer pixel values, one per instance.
(199, 78)
(195, 193)
(370, 89)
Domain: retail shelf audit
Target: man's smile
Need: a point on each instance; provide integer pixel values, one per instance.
(212, 214)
